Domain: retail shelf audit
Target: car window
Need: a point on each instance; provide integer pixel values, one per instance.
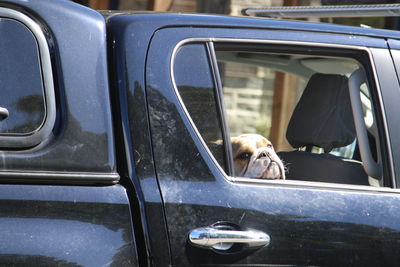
(197, 92)
(20, 80)
(288, 115)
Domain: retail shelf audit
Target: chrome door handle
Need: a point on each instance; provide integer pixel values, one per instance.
(208, 237)
(3, 113)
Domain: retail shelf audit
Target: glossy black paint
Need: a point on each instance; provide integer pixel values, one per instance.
(392, 101)
(49, 225)
(65, 226)
(83, 137)
(308, 225)
(127, 56)
(149, 23)
(157, 21)
(169, 185)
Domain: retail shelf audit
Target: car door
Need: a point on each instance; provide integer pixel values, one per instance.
(217, 218)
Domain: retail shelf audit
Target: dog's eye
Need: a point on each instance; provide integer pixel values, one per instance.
(269, 146)
(244, 156)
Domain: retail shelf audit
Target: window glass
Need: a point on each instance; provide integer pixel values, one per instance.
(289, 115)
(194, 81)
(20, 80)
(249, 93)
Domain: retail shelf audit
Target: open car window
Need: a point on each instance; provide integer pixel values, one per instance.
(282, 114)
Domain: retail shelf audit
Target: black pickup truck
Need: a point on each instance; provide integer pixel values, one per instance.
(115, 140)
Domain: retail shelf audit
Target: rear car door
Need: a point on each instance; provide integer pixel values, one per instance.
(205, 85)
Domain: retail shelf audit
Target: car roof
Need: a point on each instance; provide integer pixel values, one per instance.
(163, 20)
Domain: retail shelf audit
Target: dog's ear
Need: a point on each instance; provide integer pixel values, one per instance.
(218, 145)
(215, 145)
(217, 149)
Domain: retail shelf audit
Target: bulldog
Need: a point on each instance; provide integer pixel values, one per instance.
(255, 157)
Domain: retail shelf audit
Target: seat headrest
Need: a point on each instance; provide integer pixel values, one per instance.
(323, 115)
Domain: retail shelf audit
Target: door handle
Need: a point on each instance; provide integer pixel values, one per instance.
(221, 239)
(3, 113)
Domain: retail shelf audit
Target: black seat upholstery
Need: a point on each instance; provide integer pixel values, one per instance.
(323, 118)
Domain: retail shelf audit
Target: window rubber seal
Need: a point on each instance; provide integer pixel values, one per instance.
(219, 97)
(44, 131)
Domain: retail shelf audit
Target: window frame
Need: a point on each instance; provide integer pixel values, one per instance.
(20, 141)
(219, 94)
(383, 144)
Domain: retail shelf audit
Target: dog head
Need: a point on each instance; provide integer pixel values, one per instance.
(255, 157)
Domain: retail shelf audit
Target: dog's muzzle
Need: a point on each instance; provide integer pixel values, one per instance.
(265, 163)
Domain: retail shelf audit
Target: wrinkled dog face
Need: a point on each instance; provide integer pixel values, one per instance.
(255, 157)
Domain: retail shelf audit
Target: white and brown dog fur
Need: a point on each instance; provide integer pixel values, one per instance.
(254, 157)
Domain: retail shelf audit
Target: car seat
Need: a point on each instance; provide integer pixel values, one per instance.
(323, 118)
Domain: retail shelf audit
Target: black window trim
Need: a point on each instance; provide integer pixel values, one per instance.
(226, 135)
(294, 183)
(44, 131)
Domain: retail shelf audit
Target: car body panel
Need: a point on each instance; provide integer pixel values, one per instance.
(309, 223)
(120, 120)
(391, 103)
(47, 216)
(134, 147)
(82, 138)
(46, 225)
